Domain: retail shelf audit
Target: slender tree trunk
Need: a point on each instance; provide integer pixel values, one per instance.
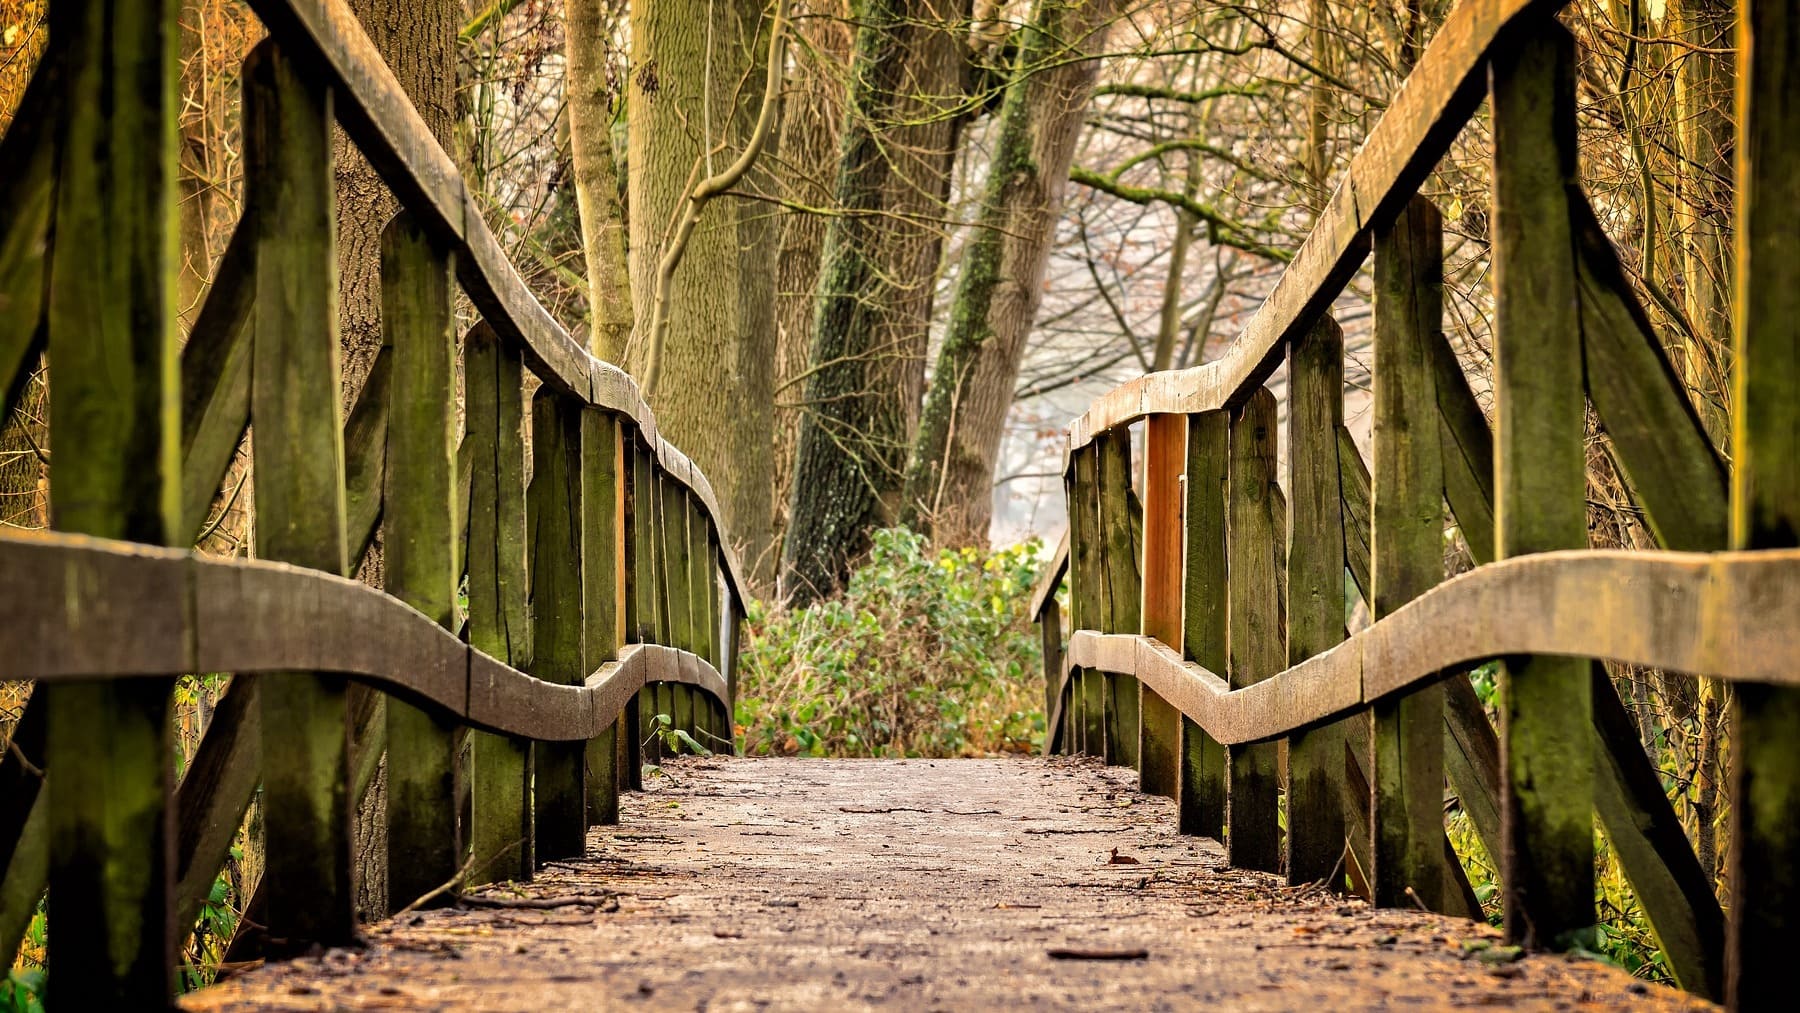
(949, 478)
(599, 190)
(714, 395)
(1704, 95)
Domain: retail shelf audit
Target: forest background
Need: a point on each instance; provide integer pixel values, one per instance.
(869, 257)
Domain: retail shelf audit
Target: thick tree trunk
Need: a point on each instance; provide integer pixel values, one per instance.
(811, 122)
(713, 398)
(950, 476)
(599, 190)
(418, 40)
(874, 296)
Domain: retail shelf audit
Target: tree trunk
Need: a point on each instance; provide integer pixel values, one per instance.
(811, 123)
(1704, 95)
(418, 40)
(599, 190)
(950, 476)
(714, 396)
(874, 295)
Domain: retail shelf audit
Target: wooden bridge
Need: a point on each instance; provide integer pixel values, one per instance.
(1209, 653)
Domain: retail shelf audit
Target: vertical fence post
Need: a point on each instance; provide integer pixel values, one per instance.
(1407, 553)
(1159, 723)
(555, 540)
(117, 475)
(602, 590)
(1540, 485)
(500, 830)
(1123, 588)
(1086, 591)
(647, 608)
(1315, 593)
(424, 848)
(294, 405)
(1765, 498)
(1257, 549)
(1201, 794)
(672, 695)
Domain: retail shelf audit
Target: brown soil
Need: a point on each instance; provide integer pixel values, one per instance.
(919, 884)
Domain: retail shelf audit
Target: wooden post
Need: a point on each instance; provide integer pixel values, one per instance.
(1765, 501)
(294, 405)
(1201, 794)
(1256, 549)
(1086, 591)
(1407, 553)
(1159, 723)
(602, 589)
(1123, 589)
(1540, 485)
(555, 540)
(1315, 594)
(424, 848)
(1050, 630)
(647, 609)
(500, 824)
(111, 324)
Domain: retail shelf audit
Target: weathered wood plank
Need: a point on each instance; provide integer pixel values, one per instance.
(215, 379)
(1765, 498)
(1159, 728)
(1541, 484)
(602, 588)
(424, 842)
(1406, 761)
(500, 825)
(365, 455)
(1122, 588)
(1201, 797)
(1087, 590)
(1315, 593)
(1257, 549)
(555, 541)
(27, 195)
(294, 402)
(1466, 445)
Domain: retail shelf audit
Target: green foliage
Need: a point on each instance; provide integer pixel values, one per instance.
(925, 653)
(22, 991)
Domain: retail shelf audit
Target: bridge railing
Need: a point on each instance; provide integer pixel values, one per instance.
(602, 596)
(1208, 605)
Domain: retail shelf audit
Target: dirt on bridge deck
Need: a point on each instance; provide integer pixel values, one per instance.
(920, 884)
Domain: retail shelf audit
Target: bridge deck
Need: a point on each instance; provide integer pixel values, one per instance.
(920, 884)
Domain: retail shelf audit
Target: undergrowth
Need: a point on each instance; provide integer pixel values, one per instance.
(927, 652)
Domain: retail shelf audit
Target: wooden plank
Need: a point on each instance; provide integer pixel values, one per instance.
(500, 825)
(1123, 589)
(555, 542)
(1540, 487)
(365, 454)
(1407, 744)
(1201, 797)
(294, 401)
(1414, 132)
(1315, 594)
(424, 841)
(1765, 499)
(1050, 579)
(215, 790)
(1165, 455)
(1466, 450)
(1050, 628)
(1674, 471)
(1256, 550)
(1353, 482)
(215, 379)
(1087, 591)
(27, 195)
(602, 589)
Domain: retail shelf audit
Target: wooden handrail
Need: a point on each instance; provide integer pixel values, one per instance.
(1413, 134)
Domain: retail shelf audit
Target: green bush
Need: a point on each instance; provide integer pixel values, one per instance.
(925, 653)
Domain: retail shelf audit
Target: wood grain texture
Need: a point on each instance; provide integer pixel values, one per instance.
(1122, 583)
(603, 587)
(1765, 497)
(1437, 98)
(1540, 484)
(1407, 503)
(1201, 795)
(215, 379)
(554, 540)
(1159, 726)
(1315, 593)
(1086, 592)
(27, 196)
(1257, 643)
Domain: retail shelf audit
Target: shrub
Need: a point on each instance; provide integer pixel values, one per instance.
(924, 653)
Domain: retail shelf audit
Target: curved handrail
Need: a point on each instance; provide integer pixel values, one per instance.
(84, 608)
(1415, 131)
(374, 110)
(1729, 615)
